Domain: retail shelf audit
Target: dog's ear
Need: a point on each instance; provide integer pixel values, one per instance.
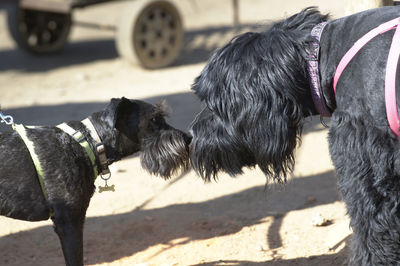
(109, 124)
(115, 108)
(163, 108)
(127, 118)
(111, 113)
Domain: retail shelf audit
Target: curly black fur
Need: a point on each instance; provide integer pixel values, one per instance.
(256, 94)
(124, 126)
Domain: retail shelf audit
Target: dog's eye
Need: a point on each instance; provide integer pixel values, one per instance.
(157, 119)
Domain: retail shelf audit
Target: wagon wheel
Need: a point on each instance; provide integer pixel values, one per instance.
(150, 33)
(39, 31)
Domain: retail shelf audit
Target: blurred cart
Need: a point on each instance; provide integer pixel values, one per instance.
(149, 33)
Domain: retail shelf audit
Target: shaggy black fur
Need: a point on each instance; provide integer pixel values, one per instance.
(256, 93)
(125, 127)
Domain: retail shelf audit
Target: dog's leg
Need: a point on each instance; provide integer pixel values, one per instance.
(68, 225)
(367, 161)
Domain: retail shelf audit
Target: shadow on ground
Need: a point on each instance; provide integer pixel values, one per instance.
(337, 259)
(180, 224)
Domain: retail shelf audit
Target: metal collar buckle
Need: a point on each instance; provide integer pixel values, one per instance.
(101, 153)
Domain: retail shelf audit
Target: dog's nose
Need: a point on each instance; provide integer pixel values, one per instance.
(187, 139)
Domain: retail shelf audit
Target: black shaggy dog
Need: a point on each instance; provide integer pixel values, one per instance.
(256, 94)
(124, 127)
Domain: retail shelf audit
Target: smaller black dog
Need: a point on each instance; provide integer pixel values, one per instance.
(124, 127)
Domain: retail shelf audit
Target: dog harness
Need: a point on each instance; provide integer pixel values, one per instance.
(391, 68)
(21, 130)
(100, 151)
(77, 136)
(390, 76)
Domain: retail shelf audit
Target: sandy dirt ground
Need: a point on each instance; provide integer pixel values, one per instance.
(183, 221)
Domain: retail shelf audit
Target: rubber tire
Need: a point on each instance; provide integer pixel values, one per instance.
(129, 38)
(15, 18)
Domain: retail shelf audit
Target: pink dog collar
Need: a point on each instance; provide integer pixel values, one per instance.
(391, 68)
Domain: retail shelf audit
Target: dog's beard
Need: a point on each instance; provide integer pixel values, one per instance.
(256, 94)
(165, 155)
(219, 145)
(213, 149)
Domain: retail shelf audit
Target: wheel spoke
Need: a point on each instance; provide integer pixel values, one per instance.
(52, 25)
(32, 39)
(157, 34)
(46, 37)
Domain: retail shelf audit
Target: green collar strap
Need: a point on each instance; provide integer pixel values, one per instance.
(78, 136)
(100, 148)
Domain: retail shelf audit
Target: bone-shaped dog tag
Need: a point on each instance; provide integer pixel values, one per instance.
(107, 188)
